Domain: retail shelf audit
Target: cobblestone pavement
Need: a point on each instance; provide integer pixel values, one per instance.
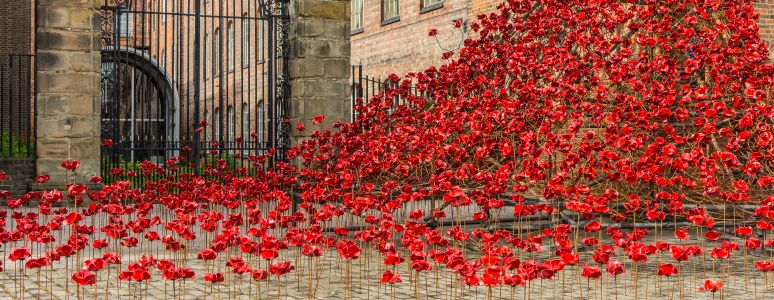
(334, 278)
(329, 280)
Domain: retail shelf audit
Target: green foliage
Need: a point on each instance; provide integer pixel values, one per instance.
(16, 146)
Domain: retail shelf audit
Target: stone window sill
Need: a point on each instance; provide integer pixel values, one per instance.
(431, 7)
(390, 21)
(356, 31)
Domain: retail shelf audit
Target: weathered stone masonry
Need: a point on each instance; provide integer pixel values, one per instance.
(319, 64)
(68, 60)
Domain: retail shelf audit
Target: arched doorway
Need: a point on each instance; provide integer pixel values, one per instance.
(139, 108)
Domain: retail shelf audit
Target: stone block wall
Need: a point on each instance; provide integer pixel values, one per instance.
(68, 33)
(21, 175)
(319, 64)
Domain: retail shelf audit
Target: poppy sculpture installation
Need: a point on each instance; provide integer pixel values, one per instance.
(590, 149)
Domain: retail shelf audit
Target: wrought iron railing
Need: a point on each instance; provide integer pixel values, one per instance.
(17, 106)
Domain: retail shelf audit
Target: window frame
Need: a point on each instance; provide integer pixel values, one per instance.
(356, 30)
(217, 58)
(205, 61)
(231, 46)
(424, 8)
(245, 41)
(386, 20)
(125, 21)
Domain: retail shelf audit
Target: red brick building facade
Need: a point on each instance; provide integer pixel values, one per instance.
(384, 44)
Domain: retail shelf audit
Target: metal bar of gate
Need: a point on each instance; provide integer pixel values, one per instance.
(197, 62)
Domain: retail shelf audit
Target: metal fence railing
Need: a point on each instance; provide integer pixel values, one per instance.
(17, 106)
(364, 87)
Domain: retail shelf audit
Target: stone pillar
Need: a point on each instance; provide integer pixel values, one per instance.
(319, 64)
(68, 89)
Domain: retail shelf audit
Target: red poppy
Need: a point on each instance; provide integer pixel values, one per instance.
(765, 266)
(259, 275)
(391, 278)
(214, 277)
(207, 254)
(341, 231)
(107, 143)
(19, 253)
(348, 249)
(666, 270)
(318, 119)
(711, 286)
(712, 235)
(84, 278)
(311, 250)
(614, 268)
(392, 258)
(744, 230)
(43, 178)
(592, 226)
(281, 268)
(70, 165)
(35, 263)
(591, 272)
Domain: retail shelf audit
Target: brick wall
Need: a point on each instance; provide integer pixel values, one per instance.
(21, 175)
(15, 28)
(16, 37)
(477, 7)
(404, 46)
(766, 22)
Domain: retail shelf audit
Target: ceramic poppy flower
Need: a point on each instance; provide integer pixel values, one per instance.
(70, 165)
(348, 249)
(281, 268)
(614, 268)
(390, 277)
(711, 286)
(259, 275)
(311, 250)
(19, 253)
(765, 266)
(84, 278)
(214, 277)
(207, 254)
(667, 270)
(591, 272)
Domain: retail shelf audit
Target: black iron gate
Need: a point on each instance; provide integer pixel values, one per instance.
(200, 79)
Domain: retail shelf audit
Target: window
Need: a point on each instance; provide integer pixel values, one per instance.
(163, 61)
(357, 15)
(259, 43)
(205, 57)
(164, 11)
(245, 41)
(216, 126)
(231, 125)
(230, 54)
(428, 3)
(261, 125)
(207, 133)
(217, 62)
(245, 125)
(126, 25)
(390, 9)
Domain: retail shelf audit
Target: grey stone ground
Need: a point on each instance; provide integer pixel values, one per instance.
(740, 282)
(329, 280)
